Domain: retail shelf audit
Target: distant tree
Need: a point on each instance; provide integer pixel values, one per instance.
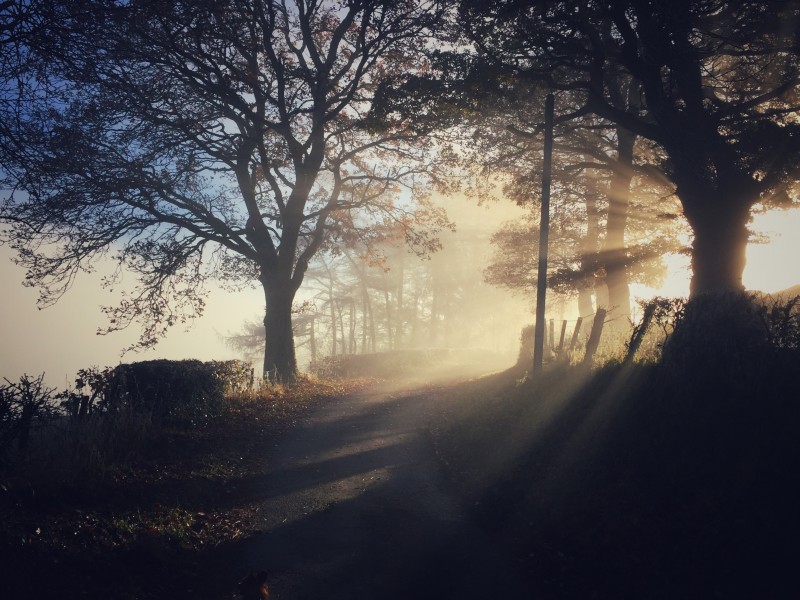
(209, 139)
(376, 297)
(493, 123)
(719, 95)
(603, 237)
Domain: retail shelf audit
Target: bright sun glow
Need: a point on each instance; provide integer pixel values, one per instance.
(774, 266)
(771, 267)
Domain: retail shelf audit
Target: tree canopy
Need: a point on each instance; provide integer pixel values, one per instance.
(236, 139)
(719, 94)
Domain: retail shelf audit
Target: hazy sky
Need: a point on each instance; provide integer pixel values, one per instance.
(770, 267)
(61, 339)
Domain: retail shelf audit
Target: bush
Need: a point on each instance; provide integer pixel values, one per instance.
(23, 405)
(178, 392)
(782, 318)
(526, 345)
(236, 375)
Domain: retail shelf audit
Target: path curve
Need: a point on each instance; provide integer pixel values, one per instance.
(355, 507)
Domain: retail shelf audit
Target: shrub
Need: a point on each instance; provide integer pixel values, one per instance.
(236, 375)
(92, 387)
(734, 346)
(660, 316)
(179, 392)
(23, 405)
(170, 391)
(782, 318)
(526, 345)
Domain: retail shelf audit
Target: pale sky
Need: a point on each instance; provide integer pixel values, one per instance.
(61, 339)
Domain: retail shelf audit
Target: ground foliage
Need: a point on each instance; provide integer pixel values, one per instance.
(638, 480)
(151, 515)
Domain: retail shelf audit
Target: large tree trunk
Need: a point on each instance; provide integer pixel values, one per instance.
(280, 362)
(721, 331)
(720, 243)
(614, 252)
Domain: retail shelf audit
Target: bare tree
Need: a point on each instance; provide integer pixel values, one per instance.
(212, 138)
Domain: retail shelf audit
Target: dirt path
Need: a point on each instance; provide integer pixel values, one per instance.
(355, 507)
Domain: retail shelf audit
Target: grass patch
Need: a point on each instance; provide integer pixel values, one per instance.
(126, 509)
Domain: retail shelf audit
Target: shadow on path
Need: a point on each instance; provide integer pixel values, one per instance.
(355, 507)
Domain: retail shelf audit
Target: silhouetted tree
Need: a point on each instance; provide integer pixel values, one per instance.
(601, 238)
(719, 94)
(212, 138)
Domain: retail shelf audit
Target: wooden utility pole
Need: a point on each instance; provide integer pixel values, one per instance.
(544, 234)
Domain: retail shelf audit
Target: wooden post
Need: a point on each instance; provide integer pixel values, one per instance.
(639, 331)
(574, 342)
(552, 336)
(594, 336)
(561, 338)
(544, 233)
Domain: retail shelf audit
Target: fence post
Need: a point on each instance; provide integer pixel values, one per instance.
(594, 336)
(639, 331)
(574, 342)
(561, 339)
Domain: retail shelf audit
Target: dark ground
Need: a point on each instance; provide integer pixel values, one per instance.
(622, 483)
(343, 497)
(159, 517)
(632, 482)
